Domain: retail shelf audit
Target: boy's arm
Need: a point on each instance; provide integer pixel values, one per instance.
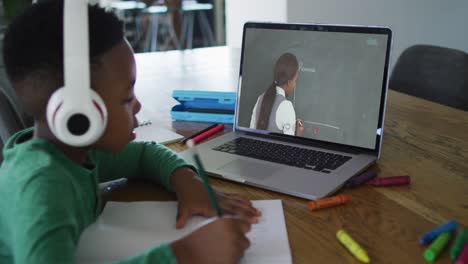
(49, 219)
(45, 227)
(160, 254)
(140, 160)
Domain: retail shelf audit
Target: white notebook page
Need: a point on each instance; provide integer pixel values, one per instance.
(126, 229)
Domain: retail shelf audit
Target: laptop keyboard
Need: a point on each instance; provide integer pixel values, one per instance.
(284, 154)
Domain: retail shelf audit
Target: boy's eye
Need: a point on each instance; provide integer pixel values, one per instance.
(129, 100)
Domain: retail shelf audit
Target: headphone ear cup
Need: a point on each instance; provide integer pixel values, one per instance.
(89, 122)
(76, 124)
(54, 104)
(99, 107)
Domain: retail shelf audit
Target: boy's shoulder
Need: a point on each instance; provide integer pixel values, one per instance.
(34, 175)
(27, 160)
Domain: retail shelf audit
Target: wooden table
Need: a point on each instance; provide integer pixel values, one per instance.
(425, 140)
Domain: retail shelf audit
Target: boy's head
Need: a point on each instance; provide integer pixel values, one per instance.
(33, 54)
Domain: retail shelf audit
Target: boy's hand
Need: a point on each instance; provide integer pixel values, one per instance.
(194, 200)
(221, 241)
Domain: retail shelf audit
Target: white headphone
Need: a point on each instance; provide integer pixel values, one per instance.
(76, 114)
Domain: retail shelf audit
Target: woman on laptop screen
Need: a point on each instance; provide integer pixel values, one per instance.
(273, 112)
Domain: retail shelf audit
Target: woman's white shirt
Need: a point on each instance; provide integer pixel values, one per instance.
(285, 115)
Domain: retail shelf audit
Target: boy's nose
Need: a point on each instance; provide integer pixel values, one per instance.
(137, 106)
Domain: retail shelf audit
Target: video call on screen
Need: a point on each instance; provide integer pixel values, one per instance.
(338, 92)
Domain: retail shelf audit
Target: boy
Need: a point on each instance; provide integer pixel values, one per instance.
(49, 191)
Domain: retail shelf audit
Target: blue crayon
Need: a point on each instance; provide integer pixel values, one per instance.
(361, 179)
(431, 235)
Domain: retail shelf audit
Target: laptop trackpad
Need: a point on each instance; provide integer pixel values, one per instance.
(245, 168)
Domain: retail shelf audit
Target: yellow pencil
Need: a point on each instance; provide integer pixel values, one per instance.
(352, 246)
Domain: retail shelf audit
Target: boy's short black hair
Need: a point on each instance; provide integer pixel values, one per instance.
(33, 48)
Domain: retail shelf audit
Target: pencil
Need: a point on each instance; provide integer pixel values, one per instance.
(207, 134)
(198, 133)
(201, 172)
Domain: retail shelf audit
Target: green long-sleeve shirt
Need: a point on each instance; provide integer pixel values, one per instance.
(46, 200)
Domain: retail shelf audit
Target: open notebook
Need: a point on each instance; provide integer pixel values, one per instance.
(126, 229)
(148, 131)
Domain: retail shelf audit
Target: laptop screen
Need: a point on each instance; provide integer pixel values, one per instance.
(317, 82)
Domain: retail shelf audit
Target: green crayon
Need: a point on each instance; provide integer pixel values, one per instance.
(431, 253)
(457, 246)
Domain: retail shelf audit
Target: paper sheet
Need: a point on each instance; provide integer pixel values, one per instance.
(126, 229)
(160, 135)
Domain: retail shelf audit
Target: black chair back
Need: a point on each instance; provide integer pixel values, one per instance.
(10, 120)
(433, 73)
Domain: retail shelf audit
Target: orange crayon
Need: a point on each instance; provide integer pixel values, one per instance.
(329, 202)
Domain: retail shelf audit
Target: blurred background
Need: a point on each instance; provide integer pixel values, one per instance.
(160, 25)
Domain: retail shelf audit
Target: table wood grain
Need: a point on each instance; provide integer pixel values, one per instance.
(422, 139)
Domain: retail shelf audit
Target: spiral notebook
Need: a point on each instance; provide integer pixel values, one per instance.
(149, 132)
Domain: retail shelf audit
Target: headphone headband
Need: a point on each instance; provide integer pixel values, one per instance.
(76, 114)
(76, 50)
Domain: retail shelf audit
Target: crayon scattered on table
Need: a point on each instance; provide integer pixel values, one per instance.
(463, 258)
(431, 253)
(460, 241)
(361, 179)
(352, 246)
(390, 181)
(429, 236)
(328, 202)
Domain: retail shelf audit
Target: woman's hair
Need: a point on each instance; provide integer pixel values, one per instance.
(286, 68)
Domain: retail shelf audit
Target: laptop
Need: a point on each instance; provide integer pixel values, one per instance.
(322, 122)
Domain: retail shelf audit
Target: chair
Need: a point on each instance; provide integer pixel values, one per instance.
(131, 13)
(158, 14)
(190, 9)
(11, 121)
(433, 73)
